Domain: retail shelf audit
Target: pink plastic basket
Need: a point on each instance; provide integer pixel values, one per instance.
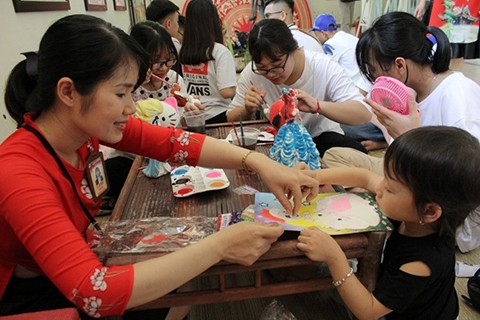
(391, 94)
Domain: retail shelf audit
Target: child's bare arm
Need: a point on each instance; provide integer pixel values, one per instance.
(354, 177)
(319, 246)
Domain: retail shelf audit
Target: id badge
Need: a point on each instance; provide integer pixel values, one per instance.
(97, 175)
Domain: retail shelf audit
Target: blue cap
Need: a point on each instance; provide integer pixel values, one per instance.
(325, 22)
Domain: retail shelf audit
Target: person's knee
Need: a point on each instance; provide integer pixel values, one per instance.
(349, 157)
(337, 157)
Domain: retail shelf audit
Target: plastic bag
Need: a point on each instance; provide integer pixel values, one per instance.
(276, 311)
(160, 234)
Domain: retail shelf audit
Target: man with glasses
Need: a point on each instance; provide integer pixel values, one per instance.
(283, 10)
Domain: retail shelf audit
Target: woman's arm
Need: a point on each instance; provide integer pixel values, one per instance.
(350, 112)
(241, 243)
(279, 179)
(228, 93)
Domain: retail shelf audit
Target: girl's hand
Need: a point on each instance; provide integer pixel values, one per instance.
(306, 102)
(194, 105)
(318, 246)
(253, 99)
(394, 122)
(245, 242)
(285, 182)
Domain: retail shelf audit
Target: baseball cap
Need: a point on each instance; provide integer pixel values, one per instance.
(325, 22)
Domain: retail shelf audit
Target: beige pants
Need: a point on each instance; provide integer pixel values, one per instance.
(468, 234)
(348, 157)
(346, 15)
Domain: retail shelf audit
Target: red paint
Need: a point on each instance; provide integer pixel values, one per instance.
(185, 190)
(265, 213)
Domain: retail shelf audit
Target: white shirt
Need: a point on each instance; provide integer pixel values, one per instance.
(454, 102)
(177, 44)
(305, 41)
(322, 78)
(206, 80)
(341, 48)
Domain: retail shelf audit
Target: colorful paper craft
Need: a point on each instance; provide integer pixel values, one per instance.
(333, 213)
(187, 180)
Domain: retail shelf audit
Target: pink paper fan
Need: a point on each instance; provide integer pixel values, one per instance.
(391, 94)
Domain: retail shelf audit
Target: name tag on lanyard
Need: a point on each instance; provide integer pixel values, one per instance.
(97, 175)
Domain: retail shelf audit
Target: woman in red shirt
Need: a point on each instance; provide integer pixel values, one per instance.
(72, 96)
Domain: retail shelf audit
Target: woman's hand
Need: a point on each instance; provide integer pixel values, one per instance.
(285, 182)
(394, 122)
(253, 99)
(245, 242)
(306, 102)
(194, 105)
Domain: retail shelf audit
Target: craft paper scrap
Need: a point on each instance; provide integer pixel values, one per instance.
(334, 213)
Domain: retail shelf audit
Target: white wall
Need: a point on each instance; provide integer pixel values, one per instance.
(20, 32)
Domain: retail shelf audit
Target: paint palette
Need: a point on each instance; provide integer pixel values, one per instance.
(187, 180)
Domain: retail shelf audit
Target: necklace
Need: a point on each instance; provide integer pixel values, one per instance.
(152, 87)
(432, 87)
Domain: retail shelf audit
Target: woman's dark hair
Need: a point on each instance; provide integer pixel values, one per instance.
(271, 38)
(84, 48)
(399, 34)
(203, 28)
(154, 38)
(441, 165)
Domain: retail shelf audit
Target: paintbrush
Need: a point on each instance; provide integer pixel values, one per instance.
(161, 79)
(241, 130)
(263, 110)
(236, 133)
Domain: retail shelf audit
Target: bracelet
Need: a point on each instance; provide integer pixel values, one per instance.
(338, 283)
(244, 161)
(318, 107)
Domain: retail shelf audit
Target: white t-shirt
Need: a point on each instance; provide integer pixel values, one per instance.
(206, 80)
(322, 78)
(177, 44)
(454, 102)
(305, 41)
(341, 48)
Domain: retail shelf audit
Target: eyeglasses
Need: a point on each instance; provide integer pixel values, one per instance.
(268, 15)
(275, 70)
(168, 63)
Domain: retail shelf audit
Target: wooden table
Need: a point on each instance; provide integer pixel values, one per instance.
(142, 198)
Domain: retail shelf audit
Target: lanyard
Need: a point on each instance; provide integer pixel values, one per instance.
(65, 173)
